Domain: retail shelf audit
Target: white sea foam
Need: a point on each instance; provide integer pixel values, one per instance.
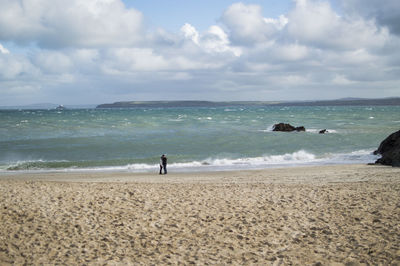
(360, 156)
(268, 129)
(312, 130)
(297, 158)
(315, 130)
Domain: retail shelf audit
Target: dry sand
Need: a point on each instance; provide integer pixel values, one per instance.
(326, 215)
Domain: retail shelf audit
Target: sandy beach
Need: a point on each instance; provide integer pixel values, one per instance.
(322, 215)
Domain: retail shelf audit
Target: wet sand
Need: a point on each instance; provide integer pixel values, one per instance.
(325, 215)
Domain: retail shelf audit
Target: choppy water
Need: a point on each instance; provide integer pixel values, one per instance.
(193, 138)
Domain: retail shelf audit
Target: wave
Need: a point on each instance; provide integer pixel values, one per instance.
(38, 165)
(297, 158)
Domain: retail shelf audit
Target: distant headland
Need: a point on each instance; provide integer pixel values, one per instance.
(338, 102)
(394, 101)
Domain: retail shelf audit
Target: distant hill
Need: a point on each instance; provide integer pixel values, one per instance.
(166, 104)
(345, 102)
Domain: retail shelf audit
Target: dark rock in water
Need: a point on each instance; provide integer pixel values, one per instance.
(390, 150)
(323, 131)
(283, 127)
(287, 128)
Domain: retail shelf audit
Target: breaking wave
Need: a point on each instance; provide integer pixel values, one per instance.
(297, 158)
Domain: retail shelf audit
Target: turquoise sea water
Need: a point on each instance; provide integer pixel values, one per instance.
(192, 138)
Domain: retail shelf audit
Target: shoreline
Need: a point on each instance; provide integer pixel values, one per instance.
(297, 174)
(319, 215)
(297, 158)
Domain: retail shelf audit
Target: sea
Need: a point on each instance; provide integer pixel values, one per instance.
(192, 138)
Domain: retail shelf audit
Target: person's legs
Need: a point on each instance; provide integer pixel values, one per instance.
(161, 169)
(165, 168)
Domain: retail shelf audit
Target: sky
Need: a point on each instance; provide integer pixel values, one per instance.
(100, 51)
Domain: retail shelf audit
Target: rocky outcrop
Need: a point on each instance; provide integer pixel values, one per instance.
(287, 127)
(390, 150)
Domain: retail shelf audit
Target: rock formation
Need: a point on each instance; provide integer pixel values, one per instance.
(390, 150)
(287, 127)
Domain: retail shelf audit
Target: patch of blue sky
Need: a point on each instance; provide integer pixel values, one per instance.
(21, 49)
(173, 14)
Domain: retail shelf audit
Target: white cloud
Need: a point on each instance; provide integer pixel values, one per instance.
(53, 62)
(247, 25)
(70, 23)
(215, 40)
(16, 67)
(136, 59)
(279, 23)
(290, 52)
(3, 50)
(190, 33)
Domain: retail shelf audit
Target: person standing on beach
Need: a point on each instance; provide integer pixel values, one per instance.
(163, 164)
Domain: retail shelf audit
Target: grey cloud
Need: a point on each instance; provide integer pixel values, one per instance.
(386, 13)
(15, 67)
(315, 23)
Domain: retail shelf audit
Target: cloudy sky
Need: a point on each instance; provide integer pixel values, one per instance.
(98, 51)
